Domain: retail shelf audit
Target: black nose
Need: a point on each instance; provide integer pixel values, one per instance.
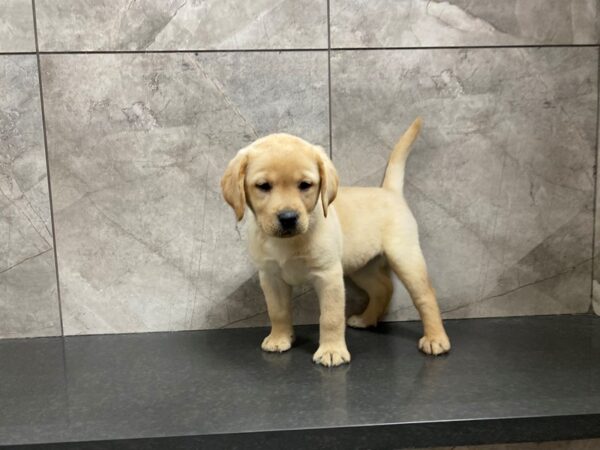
(288, 219)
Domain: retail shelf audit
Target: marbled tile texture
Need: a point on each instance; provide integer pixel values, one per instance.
(16, 26)
(501, 178)
(28, 298)
(423, 23)
(180, 24)
(137, 146)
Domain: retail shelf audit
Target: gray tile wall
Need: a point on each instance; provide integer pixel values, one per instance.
(181, 25)
(16, 26)
(139, 143)
(144, 104)
(28, 294)
(455, 23)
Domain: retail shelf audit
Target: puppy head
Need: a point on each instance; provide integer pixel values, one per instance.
(281, 178)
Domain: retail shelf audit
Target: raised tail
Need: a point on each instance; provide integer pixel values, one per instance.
(394, 174)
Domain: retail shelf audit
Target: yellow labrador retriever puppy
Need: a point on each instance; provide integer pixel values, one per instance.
(298, 234)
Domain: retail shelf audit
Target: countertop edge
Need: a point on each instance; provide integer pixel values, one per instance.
(400, 435)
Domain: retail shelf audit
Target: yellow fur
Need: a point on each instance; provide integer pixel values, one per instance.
(365, 233)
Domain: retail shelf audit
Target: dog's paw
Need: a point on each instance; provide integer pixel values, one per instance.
(332, 355)
(277, 343)
(434, 345)
(359, 321)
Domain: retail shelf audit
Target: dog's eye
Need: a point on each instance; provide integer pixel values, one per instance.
(305, 185)
(265, 187)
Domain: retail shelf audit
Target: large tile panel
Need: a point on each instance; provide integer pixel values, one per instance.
(28, 295)
(78, 25)
(501, 179)
(137, 146)
(435, 23)
(16, 26)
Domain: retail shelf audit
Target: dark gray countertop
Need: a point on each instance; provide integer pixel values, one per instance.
(515, 379)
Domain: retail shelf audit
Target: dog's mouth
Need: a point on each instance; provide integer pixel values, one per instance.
(287, 233)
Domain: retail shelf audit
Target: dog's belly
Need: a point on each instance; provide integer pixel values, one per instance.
(361, 243)
(364, 215)
(357, 259)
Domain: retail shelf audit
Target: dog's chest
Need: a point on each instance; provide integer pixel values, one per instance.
(290, 266)
(293, 272)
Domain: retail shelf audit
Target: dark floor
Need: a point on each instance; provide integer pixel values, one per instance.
(513, 379)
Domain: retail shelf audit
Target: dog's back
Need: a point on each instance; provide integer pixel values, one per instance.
(384, 208)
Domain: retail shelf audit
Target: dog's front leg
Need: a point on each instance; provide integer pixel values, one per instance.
(332, 349)
(278, 295)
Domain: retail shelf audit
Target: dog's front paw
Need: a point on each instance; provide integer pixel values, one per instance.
(277, 343)
(332, 355)
(435, 345)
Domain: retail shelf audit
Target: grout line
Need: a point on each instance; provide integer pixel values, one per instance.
(463, 47)
(17, 53)
(308, 49)
(329, 80)
(242, 50)
(37, 53)
(595, 172)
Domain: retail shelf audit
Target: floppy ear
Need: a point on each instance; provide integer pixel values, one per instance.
(329, 180)
(232, 183)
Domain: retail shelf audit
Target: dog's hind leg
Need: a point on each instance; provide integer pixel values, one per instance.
(406, 260)
(376, 281)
